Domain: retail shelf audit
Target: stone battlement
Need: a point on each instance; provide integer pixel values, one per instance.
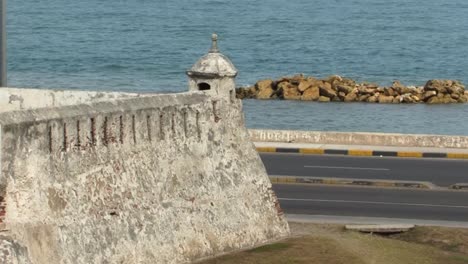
(90, 177)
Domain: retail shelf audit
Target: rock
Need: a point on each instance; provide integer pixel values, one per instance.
(455, 90)
(380, 90)
(372, 99)
(428, 95)
(455, 96)
(305, 84)
(264, 84)
(384, 99)
(308, 82)
(311, 94)
(324, 99)
(448, 99)
(351, 97)
(296, 79)
(344, 88)
(406, 98)
(397, 84)
(436, 85)
(265, 93)
(366, 90)
(326, 90)
(390, 92)
(246, 92)
(416, 98)
(289, 91)
(463, 99)
(341, 96)
(371, 85)
(264, 89)
(435, 100)
(333, 78)
(363, 98)
(397, 99)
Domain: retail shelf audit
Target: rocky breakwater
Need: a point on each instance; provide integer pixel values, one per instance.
(338, 89)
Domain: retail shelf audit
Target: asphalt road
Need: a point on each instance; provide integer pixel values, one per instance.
(373, 202)
(441, 172)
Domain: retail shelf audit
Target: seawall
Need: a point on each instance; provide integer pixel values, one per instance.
(359, 138)
(154, 179)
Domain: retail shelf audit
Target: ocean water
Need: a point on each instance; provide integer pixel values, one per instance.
(147, 45)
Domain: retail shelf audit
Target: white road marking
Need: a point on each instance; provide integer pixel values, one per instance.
(378, 203)
(347, 168)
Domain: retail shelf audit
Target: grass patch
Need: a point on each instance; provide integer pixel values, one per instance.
(445, 238)
(331, 244)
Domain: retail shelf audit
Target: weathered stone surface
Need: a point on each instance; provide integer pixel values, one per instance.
(436, 85)
(455, 90)
(264, 84)
(463, 99)
(435, 100)
(311, 94)
(341, 96)
(13, 253)
(326, 90)
(265, 89)
(363, 98)
(289, 91)
(296, 79)
(331, 79)
(383, 99)
(372, 99)
(324, 99)
(345, 89)
(307, 83)
(266, 93)
(389, 92)
(363, 90)
(351, 97)
(154, 179)
(429, 94)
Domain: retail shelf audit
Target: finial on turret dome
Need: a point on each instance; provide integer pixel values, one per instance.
(214, 45)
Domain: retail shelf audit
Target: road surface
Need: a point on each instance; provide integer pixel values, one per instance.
(441, 172)
(373, 202)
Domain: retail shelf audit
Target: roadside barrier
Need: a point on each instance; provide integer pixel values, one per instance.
(368, 153)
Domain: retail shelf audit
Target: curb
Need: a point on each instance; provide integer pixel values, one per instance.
(355, 182)
(366, 153)
(459, 186)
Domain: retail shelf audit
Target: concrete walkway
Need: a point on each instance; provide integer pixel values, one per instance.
(329, 219)
(362, 150)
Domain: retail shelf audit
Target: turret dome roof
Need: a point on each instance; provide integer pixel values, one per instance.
(213, 64)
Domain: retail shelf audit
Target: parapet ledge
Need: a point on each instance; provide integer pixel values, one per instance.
(103, 107)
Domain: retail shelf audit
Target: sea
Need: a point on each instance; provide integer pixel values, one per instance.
(147, 45)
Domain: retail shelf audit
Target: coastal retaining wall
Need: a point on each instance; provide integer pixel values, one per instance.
(158, 179)
(359, 138)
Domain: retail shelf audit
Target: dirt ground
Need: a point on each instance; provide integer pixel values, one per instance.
(332, 244)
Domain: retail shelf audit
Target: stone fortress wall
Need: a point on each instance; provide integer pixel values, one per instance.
(169, 178)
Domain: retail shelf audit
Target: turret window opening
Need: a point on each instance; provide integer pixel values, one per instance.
(204, 87)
